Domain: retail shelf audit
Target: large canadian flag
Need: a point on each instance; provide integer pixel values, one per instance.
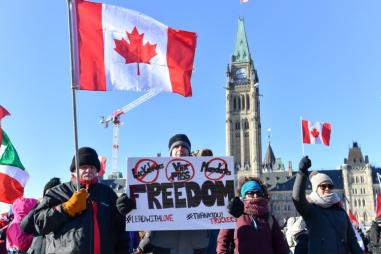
(121, 49)
(316, 133)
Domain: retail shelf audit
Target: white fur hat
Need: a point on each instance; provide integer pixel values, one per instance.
(317, 178)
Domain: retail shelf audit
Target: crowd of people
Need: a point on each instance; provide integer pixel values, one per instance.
(92, 219)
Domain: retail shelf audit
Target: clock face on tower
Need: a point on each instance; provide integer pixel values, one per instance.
(241, 74)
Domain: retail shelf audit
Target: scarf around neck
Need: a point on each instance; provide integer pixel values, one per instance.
(257, 207)
(325, 201)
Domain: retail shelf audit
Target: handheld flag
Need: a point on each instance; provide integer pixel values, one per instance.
(103, 161)
(244, 1)
(3, 113)
(121, 49)
(353, 218)
(13, 176)
(378, 206)
(316, 133)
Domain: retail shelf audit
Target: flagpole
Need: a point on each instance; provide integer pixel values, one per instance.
(71, 15)
(301, 131)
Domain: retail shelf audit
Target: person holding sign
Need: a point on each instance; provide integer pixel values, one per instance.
(176, 241)
(85, 220)
(257, 231)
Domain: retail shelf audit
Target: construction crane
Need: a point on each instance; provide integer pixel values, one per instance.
(114, 118)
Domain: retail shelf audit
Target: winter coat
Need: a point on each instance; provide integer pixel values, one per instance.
(177, 241)
(330, 230)
(38, 243)
(374, 239)
(65, 234)
(17, 240)
(246, 239)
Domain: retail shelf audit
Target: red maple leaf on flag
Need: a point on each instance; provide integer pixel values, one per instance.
(135, 51)
(315, 133)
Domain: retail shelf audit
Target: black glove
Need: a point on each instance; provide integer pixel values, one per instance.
(304, 164)
(125, 204)
(236, 207)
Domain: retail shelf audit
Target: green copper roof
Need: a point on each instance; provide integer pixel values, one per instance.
(241, 51)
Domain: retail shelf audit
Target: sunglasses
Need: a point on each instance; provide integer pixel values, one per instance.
(326, 186)
(254, 193)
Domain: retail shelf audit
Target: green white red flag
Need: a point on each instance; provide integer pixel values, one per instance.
(3, 113)
(13, 176)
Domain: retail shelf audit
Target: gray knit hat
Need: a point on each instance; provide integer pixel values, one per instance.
(179, 139)
(317, 178)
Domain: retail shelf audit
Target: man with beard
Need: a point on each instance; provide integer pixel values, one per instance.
(85, 220)
(329, 227)
(256, 231)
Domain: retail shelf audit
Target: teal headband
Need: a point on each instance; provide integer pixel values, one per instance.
(250, 186)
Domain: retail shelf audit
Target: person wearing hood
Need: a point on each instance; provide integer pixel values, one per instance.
(256, 231)
(297, 235)
(329, 227)
(17, 241)
(27, 223)
(85, 220)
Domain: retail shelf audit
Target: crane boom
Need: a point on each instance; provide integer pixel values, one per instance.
(115, 116)
(115, 119)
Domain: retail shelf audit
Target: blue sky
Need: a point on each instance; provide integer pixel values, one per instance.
(316, 59)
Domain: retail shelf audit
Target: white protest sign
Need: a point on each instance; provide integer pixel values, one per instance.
(180, 193)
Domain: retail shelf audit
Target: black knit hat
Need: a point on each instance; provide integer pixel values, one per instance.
(87, 156)
(179, 139)
(52, 182)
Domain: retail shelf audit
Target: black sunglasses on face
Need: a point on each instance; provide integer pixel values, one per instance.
(325, 186)
(254, 193)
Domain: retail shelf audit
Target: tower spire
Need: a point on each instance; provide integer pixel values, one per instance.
(241, 52)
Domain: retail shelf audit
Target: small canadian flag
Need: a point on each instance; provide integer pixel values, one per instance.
(316, 133)
(244, 1)
(378, 206)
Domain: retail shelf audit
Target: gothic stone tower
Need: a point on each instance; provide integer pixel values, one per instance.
(243, 122)
(358, 184)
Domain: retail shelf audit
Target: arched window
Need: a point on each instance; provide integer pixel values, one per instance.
(355, 203)
(243, 102)
(234, 103)
(357, 179)
(247, 102)
(363, 202)
(362, 179)
(239, 103)
(237, 125)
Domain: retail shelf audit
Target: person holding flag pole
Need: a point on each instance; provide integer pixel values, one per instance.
(329, 227)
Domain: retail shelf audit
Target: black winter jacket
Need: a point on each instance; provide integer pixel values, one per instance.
(27, 225)
(65, 234)
(374, 239)
(330, 230)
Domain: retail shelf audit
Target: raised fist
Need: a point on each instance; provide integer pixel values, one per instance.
(304, 164)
